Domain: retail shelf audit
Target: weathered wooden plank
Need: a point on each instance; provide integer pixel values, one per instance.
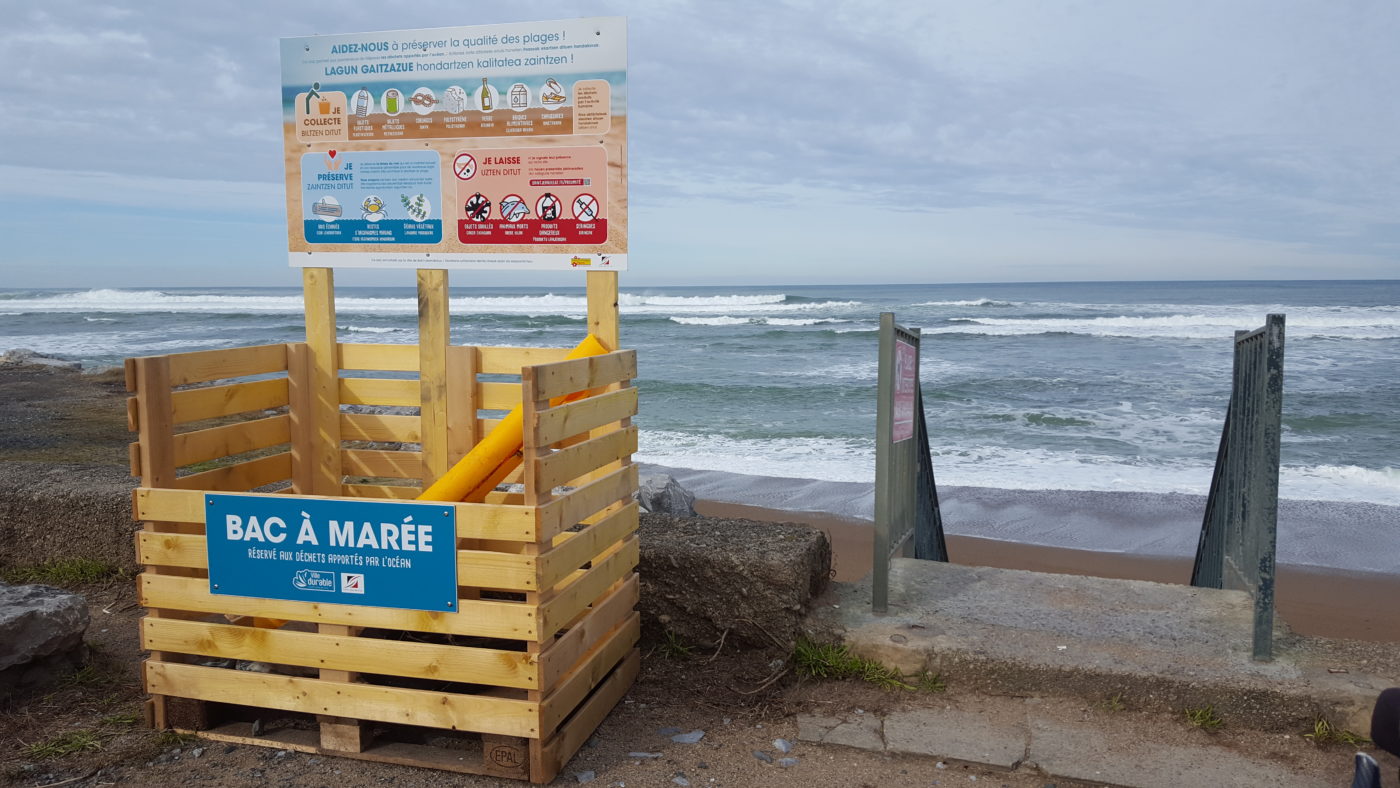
(167, 549)
(379, 391)
(212, 402)
(434, 328)
(568, 510)
(561, 747)
(570, 647)
(513, 523)
(566, 465)
(462, 427)
(483, 618)
(509, 360)
(205, 365)
(367, 356)
(499, 396)
(318, 292)
(468, 665)
(603, 321)
(377, 462)
(231, 439)
(394, 492)
(487, 569)
(582, 546)
(361, 701)
(557, 424)
(581, 374)
(301, 413)
(573, 598)
(380, 427)
(242, 476)
(596, 665)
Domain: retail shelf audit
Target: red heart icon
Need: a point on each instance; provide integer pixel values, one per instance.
(332, 154)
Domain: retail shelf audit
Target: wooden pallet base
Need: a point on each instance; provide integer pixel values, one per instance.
(496, 756)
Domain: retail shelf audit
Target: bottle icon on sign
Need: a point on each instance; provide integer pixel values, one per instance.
(391, 101)
(486, 105)
(362, 102)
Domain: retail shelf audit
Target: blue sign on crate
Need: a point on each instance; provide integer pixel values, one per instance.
(367, 553)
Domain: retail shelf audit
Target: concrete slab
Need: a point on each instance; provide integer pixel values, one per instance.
(957, 736)
(1166, 647)
(861, 731)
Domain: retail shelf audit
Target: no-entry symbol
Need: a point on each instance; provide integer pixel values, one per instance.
(585, 207)
(513, 208)
(547, 207)
(464, 166)
(478, 207)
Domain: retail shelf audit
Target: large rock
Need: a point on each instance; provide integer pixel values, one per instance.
(702, 577)
(660, 493)
(41, 635)
(20, 357)
(50, 512)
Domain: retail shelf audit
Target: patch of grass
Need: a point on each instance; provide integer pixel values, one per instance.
(61, 572)
(672, 647)
(1324, 732)
(64, 744)
(930, 682)
(119, 719)
(89, 675)
(1114, 702)
(830, 661)
(1204, 718)
(175, 739)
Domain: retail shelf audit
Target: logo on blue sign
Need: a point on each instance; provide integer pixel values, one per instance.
(312, 580)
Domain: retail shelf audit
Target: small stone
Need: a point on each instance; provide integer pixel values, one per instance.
(787, 762)
(899, 639)
(688, 738)
(282, 754)
(196, 752)
(586, 777)
(782, 745)
(257, 727)
(702, 765)
(940, 765)
(727, 720)
(667, 731)
(680, 780)
(763, 756)
(313, 761)
(643, 755)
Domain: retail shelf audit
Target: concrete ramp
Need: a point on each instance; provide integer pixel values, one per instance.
(1165, 647)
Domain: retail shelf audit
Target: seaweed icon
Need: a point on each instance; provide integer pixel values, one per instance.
(417, 206)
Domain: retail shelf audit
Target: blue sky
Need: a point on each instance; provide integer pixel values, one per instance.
(769, 143)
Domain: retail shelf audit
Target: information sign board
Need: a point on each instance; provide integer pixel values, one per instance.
(366, 553)
(491, 147)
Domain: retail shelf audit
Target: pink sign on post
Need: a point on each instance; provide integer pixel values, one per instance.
(906, 371)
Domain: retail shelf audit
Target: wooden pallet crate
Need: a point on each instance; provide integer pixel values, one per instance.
(543, 642)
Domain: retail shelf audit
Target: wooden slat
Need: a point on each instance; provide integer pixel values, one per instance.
(557, 424)
(379, 427)
(499, 396)
(434, 327)
(568, 510)
(509, 360)
(318, 293)
(242, 476)
(582, 546)
(165, 549)
(507, 571)
(573, 598)
(483, 618)
(379, 391)
(133, 457)
(205, 365)
(603, 321)
(360, 701)
(214, 401)
(581, 374)
(464, 664)
(462, 430)
(474, 520)
(301, 412)
(383, 491)
(597, 664)
(231, 439)
(133, 414)
(570, 647)
(378, 357)
(376, 462)
(565, 465)
(567, 741)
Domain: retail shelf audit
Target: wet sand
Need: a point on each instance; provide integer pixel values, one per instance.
(1314, 601)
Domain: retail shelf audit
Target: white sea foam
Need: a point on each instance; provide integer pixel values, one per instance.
(974, 302)
(730, 320)
(1358, 323)
(375, 330)
(710, 321)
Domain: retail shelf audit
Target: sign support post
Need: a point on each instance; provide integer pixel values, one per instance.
(896, 451)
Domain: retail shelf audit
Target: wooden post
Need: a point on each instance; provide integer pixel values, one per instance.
(301, 411)
(602, 308)
(462, 364)
(434, 326)
(318, 285)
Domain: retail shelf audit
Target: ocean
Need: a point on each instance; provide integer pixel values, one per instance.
(1057, 386)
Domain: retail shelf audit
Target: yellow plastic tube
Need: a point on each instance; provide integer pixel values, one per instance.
(497, 454)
